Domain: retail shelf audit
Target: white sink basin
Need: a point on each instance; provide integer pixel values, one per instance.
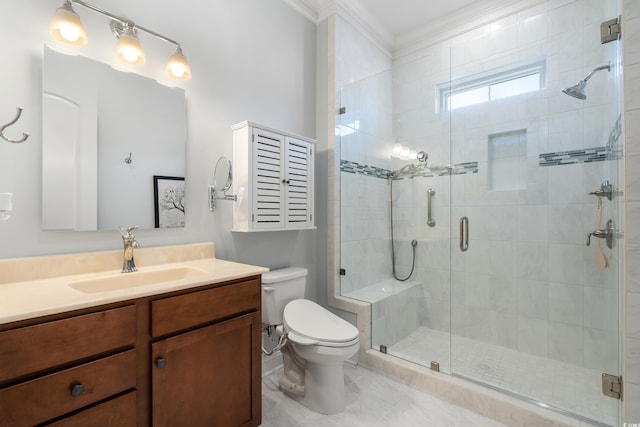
(121, 281)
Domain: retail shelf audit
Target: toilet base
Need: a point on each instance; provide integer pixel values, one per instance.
(324, 388)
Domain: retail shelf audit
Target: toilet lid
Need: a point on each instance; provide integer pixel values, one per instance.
(307, 319)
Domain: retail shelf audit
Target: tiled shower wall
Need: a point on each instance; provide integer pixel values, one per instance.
(528, 281)
(368, 65)
(363, 136)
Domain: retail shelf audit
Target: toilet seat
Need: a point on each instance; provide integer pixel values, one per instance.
(307, 323)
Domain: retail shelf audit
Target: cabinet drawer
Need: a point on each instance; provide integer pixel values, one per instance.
(118, 412)
(66, 340)
(48, 397)
(185, 311)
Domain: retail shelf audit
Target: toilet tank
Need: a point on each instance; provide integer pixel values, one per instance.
(279, 287)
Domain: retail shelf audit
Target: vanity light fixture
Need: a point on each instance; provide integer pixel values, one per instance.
(128, 48)
(67, 27)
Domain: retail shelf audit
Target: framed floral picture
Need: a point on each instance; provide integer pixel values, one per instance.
(168, 197)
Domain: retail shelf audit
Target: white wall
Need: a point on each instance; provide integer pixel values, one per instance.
(250, 59)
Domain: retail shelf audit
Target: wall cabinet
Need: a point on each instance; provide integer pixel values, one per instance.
(187, 358)
(273, 179)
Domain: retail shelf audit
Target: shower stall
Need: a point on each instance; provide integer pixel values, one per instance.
(507, 235)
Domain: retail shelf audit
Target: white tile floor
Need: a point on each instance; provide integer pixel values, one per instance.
(372, 401)
(561, 384)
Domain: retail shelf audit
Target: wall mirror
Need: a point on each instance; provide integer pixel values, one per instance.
(106, 134)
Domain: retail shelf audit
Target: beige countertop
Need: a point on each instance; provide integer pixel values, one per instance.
(27, 296)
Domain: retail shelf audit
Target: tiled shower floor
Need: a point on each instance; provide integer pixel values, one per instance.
(560, 384)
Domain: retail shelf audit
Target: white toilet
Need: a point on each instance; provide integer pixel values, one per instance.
(317, 341)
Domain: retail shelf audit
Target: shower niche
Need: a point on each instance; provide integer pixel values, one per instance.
(507, 161)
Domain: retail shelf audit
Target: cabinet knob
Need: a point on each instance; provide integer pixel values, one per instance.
(77, 390)
(286, 181)
(161, 362)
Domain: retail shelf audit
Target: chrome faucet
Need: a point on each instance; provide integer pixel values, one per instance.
(130, 242)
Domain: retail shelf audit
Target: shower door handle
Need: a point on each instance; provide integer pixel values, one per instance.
(464, 234)
(430, 221)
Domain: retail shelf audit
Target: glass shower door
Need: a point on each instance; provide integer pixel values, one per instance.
(390, 257)
(534, 310)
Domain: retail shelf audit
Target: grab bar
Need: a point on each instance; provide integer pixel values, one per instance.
(430, 221)
(464, 234)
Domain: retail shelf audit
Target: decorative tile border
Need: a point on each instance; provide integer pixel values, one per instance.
(430, 171)
(587, 155)
(361, 169)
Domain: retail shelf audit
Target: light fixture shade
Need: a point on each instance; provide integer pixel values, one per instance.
(177, 67)
(129, 49)
(67, 27)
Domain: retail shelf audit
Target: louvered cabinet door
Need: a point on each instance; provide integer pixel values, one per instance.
(268, 180)
(299, 183)
(273, 179)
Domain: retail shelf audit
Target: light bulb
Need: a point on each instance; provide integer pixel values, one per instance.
(70, 33)
(66, 26)
(178, 67)
(129, 54)
(397, 149)
(177, 70)
(413, 154)
(404, 154)
(129, 49)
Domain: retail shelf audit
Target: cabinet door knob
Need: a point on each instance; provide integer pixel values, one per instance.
(77, 390)
(161, 362)
(286, 181)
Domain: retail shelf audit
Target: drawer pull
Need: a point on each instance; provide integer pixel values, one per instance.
(161, 362)
(77, 390)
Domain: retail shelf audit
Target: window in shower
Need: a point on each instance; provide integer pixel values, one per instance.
(479, 89)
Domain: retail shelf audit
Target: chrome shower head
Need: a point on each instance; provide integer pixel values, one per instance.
(577, 90)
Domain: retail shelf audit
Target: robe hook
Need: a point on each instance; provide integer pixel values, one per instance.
(25, 135)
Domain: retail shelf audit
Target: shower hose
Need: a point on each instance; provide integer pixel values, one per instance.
(414, 243)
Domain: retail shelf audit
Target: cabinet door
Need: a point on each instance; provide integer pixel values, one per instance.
(210, 376)
(299, 180)
(268, 180)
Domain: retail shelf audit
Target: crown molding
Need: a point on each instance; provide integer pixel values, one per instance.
(353, 12)
(307, 8)
(472, 17)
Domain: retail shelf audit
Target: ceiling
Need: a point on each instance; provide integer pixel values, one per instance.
(403, 16)
(400, 26)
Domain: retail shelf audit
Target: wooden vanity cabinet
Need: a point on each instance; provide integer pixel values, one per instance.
(209, 375)
(53, 368)
(188, 357)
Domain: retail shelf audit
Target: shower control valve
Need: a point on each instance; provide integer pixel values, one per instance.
(610, 234)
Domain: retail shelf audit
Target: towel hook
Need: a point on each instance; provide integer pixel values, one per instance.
(25, 135)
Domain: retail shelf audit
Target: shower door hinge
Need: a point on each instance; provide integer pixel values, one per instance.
(342, 110)
(610, 30)
(383, 349)
(343, 272)
(612, 386)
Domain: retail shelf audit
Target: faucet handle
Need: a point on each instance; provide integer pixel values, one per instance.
(128, 231)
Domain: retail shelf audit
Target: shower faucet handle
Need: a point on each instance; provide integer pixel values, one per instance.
(610, 234)
(606, 190)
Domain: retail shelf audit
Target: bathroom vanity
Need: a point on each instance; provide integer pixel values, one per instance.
(180, 351)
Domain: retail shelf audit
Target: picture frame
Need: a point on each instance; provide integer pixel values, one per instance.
(168, 199)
